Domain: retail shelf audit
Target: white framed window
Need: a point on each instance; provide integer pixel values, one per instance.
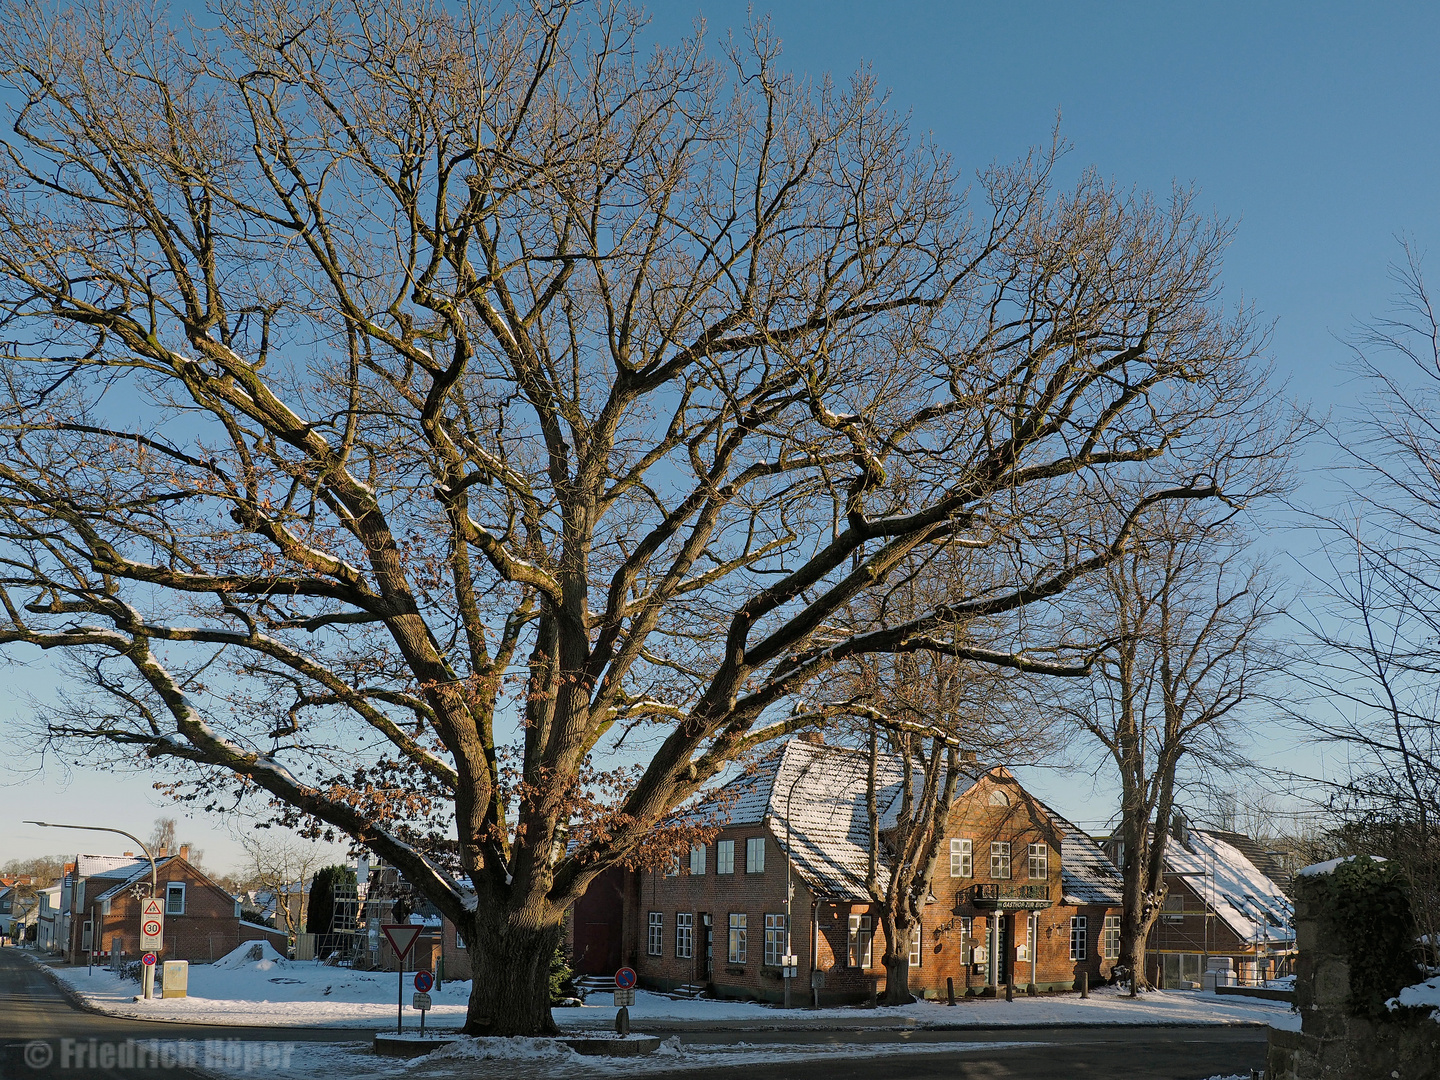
(1110, 946)
(655, 935)
(915, 946)
(738, 933)
(459, 940)
(962, 857)
(684, 935)
(697, 859)
(1000, 861)
(1026, 949)
(860, 941)
(725, 857)
(1077, 937)
(1039, 862)
(175, 898)
(774, 939)
(672, 866)
(755, 855)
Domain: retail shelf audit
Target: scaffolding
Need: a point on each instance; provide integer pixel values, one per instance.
(344, 913)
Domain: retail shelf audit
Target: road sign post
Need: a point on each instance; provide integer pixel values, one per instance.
(625, 980)
(148, 963)
(402, 939)
(152, 936)
(423, 982)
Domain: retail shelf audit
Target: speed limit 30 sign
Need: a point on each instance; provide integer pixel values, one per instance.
(152, 924)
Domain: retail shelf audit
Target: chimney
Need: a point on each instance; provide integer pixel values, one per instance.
(129, 854)
(164, 851)
(967, 757)
(185, 852)
(813, 737)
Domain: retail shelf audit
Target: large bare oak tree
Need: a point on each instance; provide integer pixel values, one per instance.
(403, 405)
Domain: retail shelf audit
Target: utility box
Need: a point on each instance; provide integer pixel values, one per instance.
(176, 978)
(1219, 971)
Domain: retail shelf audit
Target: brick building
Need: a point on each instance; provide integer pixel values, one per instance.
(103, 898)
(1020, 895)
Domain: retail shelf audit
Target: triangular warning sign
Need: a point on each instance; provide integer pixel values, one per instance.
(401, 936)
(154, 907)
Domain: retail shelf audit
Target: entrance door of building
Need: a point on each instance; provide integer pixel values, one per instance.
(707, 948)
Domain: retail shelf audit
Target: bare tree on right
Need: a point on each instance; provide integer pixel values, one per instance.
(1187, 614)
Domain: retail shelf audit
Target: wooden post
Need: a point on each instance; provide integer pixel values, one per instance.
(950, 990)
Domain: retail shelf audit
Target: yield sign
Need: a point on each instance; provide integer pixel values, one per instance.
(401, 936)
(153, 907)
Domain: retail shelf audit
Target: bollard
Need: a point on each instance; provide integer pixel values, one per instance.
(874, 993)
(1032, 990)
(1084, 984)
(950, 990)
(1009, 990)
(622, 1021)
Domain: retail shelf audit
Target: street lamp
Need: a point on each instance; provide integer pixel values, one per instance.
(149, 981)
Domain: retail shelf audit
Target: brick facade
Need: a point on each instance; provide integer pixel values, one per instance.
(207, 928)
(720, 909)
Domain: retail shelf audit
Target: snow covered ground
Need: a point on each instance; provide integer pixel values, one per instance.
(274, 991)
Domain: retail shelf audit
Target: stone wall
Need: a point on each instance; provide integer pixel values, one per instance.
(1334, 1043)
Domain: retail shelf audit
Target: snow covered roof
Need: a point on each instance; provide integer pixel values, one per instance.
(1247, 901)
(106, 865)
(1087, 876)
(812, 796)
(126, 879)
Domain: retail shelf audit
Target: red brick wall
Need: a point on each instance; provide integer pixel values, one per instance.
(207, 930)
(754, 895)
(1018, 820)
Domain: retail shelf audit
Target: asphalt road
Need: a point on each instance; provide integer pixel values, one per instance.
(44, 1037)
(1143, 1053)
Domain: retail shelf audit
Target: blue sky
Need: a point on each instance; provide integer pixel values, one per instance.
(1311, 126)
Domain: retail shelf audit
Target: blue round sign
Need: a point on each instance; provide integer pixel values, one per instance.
(424, 981)
(625, 978)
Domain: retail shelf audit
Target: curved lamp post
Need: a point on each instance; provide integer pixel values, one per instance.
(149, 971)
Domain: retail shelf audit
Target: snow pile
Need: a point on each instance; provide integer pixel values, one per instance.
(1421, 995)
(256, 955)
(1330, 865)
(536, 1051)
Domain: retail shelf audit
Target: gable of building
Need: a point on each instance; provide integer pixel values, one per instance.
(1251, 905)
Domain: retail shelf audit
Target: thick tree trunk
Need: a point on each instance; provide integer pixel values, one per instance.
(896, 959)
(510, 957)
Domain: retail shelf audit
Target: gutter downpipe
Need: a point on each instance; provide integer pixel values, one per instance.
(789, 885)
